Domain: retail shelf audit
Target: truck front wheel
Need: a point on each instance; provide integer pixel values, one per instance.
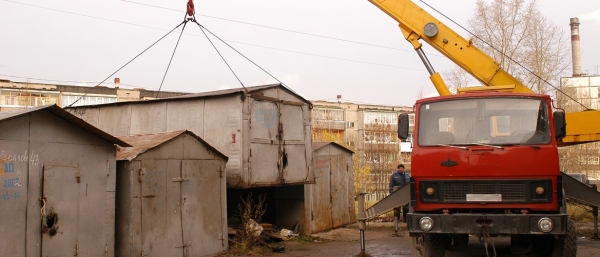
(552, 246)
(430, 245)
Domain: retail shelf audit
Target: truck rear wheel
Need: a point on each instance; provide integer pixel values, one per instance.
(430, 245)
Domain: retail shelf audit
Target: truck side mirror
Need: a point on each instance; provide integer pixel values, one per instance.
(560, 125)
(403, 126)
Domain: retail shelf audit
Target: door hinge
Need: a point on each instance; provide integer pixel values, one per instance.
(76, 251)
(142, 172)
(183, 245)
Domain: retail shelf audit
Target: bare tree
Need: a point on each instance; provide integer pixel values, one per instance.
(455, 78)
(420, 94)
(516, 32)
(582, 158)
(383, 152)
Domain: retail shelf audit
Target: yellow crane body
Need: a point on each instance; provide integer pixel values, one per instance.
(417, 24)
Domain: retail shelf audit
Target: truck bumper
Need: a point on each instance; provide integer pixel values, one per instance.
(497, 224)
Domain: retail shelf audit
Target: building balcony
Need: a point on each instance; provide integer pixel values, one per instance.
(329, 124)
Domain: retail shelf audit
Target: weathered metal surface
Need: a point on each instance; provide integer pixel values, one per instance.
(14, 194)
(203, 208)
(332, 195)
(171, 197)
(577, 191)
(61, 206)
(498, 224)
(341, 190)
(142, 143)
(296, 159)
(53, 156)
(69, 117)
(265, 131)
(321, 203)
(148, 119)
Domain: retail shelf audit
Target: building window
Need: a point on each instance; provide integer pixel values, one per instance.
(381, 117)
(328, 114)
(67, 100)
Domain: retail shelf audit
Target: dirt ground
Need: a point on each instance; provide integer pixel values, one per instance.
(380, 242)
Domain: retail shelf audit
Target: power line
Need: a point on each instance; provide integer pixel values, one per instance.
(82, 15)
(237, 42)
(208, 16)
(508, 57)
(280, 29)
(182, 23)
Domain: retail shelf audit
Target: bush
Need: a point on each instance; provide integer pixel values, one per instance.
(579, 212)
(247, 239)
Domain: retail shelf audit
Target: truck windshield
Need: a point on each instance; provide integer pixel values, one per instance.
(493, 121)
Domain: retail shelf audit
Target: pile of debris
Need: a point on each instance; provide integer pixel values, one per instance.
(264, 234)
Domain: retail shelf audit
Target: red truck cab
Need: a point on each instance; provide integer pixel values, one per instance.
(486, 161)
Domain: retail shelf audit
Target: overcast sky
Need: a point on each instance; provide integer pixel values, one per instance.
(318, 48)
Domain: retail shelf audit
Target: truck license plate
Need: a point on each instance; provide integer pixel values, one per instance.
(484, 197)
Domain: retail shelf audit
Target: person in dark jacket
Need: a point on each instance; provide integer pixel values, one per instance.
(399, 179)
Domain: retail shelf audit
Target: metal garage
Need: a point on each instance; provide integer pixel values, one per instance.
(171, 196)
(58, 176)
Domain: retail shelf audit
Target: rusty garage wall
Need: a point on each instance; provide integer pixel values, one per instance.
(264, 130)
(171, 196)
(58, 193)
(332, 196)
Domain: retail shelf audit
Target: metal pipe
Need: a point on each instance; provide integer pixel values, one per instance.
(595, 213)
(362, 217)
(425, 61)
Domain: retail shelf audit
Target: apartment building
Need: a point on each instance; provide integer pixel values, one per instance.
(18, 95)
(370, 131)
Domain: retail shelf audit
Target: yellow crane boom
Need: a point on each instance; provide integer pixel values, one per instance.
(417, 24)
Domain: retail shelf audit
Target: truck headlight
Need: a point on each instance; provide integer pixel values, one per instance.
(426, 223)
(540, 191)
(430, 191)
(545, 225)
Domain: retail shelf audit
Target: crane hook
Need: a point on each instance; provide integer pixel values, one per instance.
(190, 9)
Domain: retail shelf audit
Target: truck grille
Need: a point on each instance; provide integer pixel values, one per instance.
(511, 191)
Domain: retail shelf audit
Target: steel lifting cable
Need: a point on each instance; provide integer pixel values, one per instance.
(223, 41)
(172, 55)
(127, 63)
(189, 16)
(484, 237)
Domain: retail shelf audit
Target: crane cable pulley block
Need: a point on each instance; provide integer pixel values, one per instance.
(190, 11)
